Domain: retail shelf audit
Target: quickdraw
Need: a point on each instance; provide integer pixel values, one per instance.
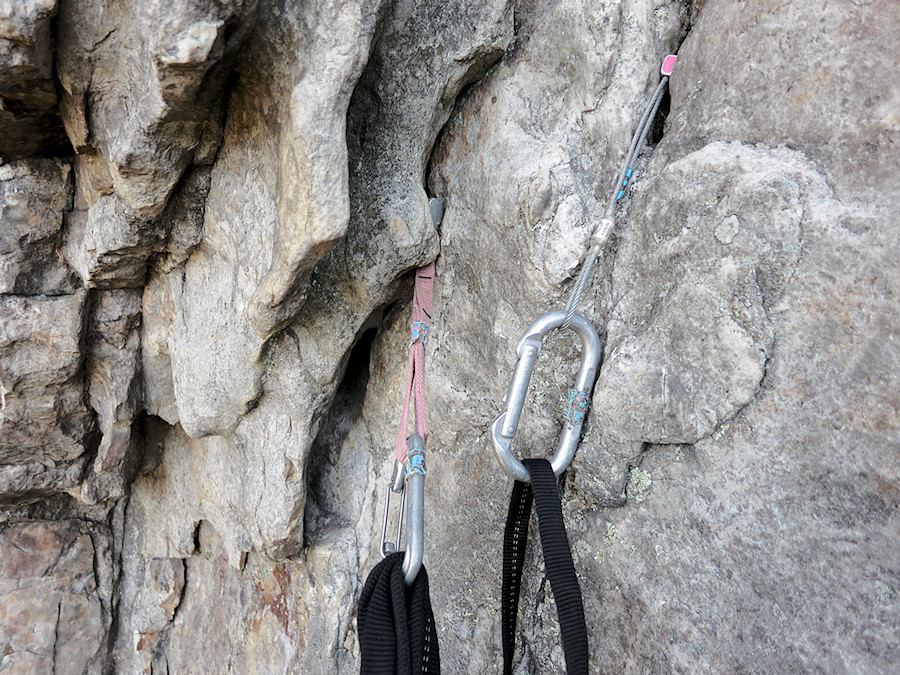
(388, 642)
(536, 478)
(409, 469)
(408, 479)
(396, 626)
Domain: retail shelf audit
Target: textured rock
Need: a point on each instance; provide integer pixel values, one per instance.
(829, 104)
(141, 99)
(138, 85)
(114, 388)
(44, 416)
(702, 307)
(294, 197)
(51, 612)
(202, 438)
(34, 194)
(392, 106)
(28, 115)
(159, 315)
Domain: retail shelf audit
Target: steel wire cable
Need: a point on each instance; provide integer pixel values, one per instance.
(603, 230)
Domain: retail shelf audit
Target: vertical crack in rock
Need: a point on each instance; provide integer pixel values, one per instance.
(262, 453)
(29, 116)
(312, 206)
(241, 285)
(159, 653)
(56, 635)
(139, 98)
(332, 488)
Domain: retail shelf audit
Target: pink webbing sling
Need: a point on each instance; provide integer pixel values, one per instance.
(415, 377)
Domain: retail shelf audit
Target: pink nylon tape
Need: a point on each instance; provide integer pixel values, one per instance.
(415, 378)
(668, 65)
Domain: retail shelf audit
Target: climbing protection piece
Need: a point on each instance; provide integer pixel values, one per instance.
(409, 479)
(504, 427)
(396, 624)
(536, 478)
(409, 470)
(603, 231)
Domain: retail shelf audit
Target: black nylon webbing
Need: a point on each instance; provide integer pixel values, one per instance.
(397, 634)
(557, 558)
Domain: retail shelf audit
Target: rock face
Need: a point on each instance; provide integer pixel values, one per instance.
(28, 96)
(53, 615)
(209, 216)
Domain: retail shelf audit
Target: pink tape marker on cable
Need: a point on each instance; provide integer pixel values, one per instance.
(668, 65)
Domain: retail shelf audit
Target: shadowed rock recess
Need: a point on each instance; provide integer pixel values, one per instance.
(209, 218)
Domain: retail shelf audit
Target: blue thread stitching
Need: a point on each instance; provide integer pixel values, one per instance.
(578, 406)
(419, 332)
(415, 462)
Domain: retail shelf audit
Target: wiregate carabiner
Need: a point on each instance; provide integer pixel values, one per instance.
(529, 348)
(408, 479)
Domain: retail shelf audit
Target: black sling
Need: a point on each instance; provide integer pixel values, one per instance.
(557, 558)
(396, 623)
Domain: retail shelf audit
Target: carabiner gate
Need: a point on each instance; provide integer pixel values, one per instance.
(408, 480)
(529, 348)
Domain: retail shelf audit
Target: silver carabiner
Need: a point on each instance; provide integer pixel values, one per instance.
(408, 481)
(396, 485)
(529, 348)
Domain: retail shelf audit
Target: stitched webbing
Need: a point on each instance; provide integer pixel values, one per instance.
(557, 558)
(415, 379)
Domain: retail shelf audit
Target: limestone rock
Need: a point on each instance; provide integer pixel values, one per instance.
(138, 85)
(184, 217)
(159, 316)
(294, 194)
(141, 90)
(50, 610)
(214, 303)
(197, 426)
(107, 248)
(34, 194)
(34, 480)
(29, 120)
(114, 389)
(44, 416)
(834, 107)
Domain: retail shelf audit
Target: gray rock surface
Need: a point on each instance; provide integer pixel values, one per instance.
(204, 322)
(114, 390)
(28, 97)
(34, 195)
(141, 97)
(44, 422)
(51, 612)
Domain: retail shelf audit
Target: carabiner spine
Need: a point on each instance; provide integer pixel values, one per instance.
(529, 349)
(415, 528)
(411, 486)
